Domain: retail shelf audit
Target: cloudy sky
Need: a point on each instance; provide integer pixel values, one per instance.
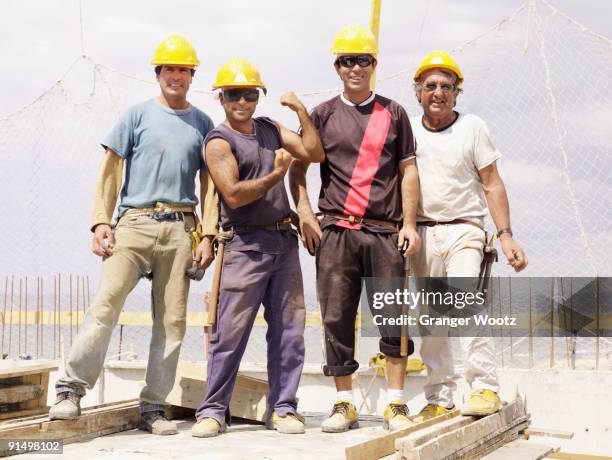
(288, 40)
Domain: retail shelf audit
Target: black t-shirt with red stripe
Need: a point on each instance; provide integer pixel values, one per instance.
(364, 145)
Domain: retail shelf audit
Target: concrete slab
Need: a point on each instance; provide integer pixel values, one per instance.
(241, 441)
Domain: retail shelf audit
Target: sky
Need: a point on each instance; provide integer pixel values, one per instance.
(290, 43)
(288, 40)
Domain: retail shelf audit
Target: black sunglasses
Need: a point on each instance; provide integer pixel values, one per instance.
(364, 60)
(234, 95)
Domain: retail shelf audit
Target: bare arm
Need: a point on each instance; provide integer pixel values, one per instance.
(497, 200)
(309, 224)
(224, 171)
(308, 147)
(409, 177)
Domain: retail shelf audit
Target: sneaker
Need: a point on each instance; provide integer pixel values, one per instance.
(344, 416)
(288, 424)
(155, 422)
(481, 403)
(396, 416)
(207, 428)
(67, 407)
(431, 411)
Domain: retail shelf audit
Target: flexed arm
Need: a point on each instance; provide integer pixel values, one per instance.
(308, 147)
(224, 171)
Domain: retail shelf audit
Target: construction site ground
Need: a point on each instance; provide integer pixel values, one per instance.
(241, 441)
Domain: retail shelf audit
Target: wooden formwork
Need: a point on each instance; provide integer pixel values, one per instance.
(23, 390)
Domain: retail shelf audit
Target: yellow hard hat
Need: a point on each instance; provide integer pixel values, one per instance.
(439, 60)
(355, 39)
(175, 50)
(238, 72)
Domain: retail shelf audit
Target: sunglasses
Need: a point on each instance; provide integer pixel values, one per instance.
(234, 95)
(363, 60)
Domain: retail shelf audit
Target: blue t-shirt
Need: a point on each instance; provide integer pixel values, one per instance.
(163, 152)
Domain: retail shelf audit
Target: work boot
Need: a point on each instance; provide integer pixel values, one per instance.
(207, 428)
(396, 416)
(431, 411)
(67, 406)
(344, 416)
(481, 403)
(288, 424)
(155, 422)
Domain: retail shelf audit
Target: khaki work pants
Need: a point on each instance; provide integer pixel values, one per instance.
(142, 245)
(454, 251)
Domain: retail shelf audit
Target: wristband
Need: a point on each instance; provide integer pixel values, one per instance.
(504, 230)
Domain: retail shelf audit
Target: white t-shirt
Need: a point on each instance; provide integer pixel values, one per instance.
(448, 163)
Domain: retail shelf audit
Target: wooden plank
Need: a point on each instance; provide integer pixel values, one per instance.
(20, 393)
(572, 456)
(422, 436)
(36, 420)
(8, 416)
(469, 436)
(525, 450)
(249, 399)
(34, 379)
(92, 423)
(533, 431)
(19, 370)
(385, 445)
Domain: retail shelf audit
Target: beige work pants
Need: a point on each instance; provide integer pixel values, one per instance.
(454, 250)
(142, 245)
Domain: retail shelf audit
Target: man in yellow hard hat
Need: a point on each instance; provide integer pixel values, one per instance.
(368, 202)
(458, 176)
(160, 142)
(247, 160)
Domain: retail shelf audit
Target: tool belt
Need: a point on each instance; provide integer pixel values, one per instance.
(433, 223)
(163, 212)
(278, 226)
(360, 220)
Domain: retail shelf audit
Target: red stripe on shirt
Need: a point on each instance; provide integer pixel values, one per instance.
(367, 164)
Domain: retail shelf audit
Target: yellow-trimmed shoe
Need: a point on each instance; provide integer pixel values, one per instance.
(344, 416)
(288, 424)
(481, 403)
(396, 416)
(430, 411)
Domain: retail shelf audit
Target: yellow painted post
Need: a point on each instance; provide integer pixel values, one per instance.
(374, 27)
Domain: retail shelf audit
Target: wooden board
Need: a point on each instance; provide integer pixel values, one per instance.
(249, 399)
(472, 436)
(19, 393)
(94, 422)
(18, 371)
(385, 445)
(570, 456)
(422, 436)
(520, 449)
(533, 431)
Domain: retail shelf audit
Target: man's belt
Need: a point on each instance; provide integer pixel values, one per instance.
(360, 220)
(278, 226)
(433, 223)
(162, 212)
